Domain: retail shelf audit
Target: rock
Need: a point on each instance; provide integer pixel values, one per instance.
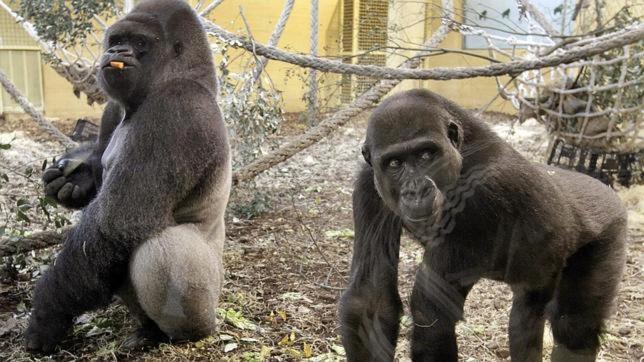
(492, 345)
(308, 160)
(624, 331)
(7, 326)
(502, 353)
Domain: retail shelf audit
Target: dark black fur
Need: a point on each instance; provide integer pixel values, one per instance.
(75, 178)
(482, 211)
(173, 149)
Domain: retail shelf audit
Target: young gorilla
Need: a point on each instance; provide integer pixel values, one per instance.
(482, 211)
(161, 174)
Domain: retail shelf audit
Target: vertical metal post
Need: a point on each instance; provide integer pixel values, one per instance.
(313, 85)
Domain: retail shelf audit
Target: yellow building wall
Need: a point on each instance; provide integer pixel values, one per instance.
(60, 101)
(415, 22)
(262, 16)
(587, 18)
(20, 60)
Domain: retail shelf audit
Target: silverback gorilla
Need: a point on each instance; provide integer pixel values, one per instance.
(482, 211)
(156, 185)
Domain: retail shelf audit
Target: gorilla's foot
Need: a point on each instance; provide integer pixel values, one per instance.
(146, 336)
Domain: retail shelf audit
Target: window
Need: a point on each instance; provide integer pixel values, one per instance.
(20, 60)
(501, 18)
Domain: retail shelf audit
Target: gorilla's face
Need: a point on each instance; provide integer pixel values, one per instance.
(158, 41)
(133, 49)
(413, 149)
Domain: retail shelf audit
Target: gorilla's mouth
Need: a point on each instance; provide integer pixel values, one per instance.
(423, 210)
(418, 212)
(125, 64)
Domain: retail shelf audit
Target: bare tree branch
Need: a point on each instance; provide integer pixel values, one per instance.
(617, 39)
(210, 7)
(35, 241)
(29, 108)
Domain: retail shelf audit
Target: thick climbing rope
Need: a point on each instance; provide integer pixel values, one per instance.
(273, 40)
(575, 51)
(614, 40)
(365, 101)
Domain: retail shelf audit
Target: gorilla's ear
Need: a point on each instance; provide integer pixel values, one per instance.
(454, 134)
(366, 154)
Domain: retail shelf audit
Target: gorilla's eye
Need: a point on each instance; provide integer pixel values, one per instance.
(426, 155)
(394, 163)
(140, 43)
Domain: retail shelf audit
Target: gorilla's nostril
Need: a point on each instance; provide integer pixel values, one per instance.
(120, 50)
(416, 190)
(409, 194)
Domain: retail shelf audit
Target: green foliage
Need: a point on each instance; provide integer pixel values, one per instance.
(346, 234)
(251, 114)
(235, 318)
(329, 87)
(250, 208)
(64, 22)
(23, 208)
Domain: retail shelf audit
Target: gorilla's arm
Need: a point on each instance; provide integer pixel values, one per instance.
(75, 178)
(167, 147)
(371, 307)
(437, 301)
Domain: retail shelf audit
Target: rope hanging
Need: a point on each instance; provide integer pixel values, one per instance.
(541, 87)
(582, 49)
(313, 81)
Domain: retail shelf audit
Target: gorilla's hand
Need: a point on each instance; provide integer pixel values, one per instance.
(70, 180)
(45, 332)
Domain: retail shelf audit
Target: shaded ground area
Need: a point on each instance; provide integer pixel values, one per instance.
(287, 257)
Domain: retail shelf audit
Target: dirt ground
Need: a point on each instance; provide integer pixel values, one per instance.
(287, 258)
